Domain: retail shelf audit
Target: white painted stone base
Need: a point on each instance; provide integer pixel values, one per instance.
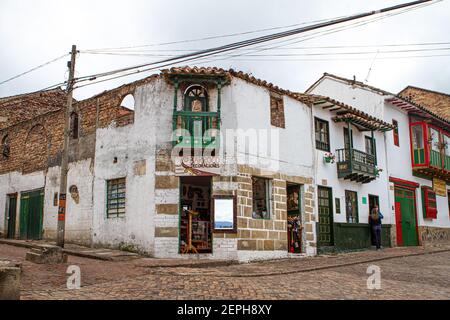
(248, 255)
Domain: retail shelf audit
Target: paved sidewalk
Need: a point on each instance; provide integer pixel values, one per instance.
(408, 273)
(106, 254)
(76, 250)
(307, 264)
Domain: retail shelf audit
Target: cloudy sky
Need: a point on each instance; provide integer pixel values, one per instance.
(33, 32)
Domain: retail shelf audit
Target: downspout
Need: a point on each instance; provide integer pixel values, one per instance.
(388, 182)
(315, 184)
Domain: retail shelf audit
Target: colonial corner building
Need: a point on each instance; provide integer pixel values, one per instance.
(217, 164)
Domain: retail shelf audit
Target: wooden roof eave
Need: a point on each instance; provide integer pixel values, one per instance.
(362, 121)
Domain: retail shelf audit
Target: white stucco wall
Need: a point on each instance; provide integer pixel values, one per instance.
(396, 161)
(327, 173)
(78, 216)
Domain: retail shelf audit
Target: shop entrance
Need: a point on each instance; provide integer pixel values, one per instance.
(294, 218)
(195, 215)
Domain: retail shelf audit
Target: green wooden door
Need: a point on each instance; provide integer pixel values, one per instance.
(31, 214)
(11, 217)
(325, 226)
(408, 215)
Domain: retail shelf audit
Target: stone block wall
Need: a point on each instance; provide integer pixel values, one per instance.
(166, 216)
(270, 235)
(430, 235)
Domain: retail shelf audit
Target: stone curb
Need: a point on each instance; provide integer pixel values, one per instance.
(337, 265)
(67, 251)
(331, 266)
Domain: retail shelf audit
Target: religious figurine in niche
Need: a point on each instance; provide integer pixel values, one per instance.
(196, 106)
(292, 203)
(74, 194)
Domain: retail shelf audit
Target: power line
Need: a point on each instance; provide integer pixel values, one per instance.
(303, 54)
(207, 38)
(331, 59)
(289, 48)
(33, 69)
(245, 43)
(336, 29)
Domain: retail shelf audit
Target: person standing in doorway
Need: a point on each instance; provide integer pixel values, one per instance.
(375, 225)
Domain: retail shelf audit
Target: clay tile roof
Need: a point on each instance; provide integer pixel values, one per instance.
(346, 112)
(214, 71)
(433, 101)
(19, 108)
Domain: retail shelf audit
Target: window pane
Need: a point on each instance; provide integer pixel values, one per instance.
(417, 137)
(447, 145)
(115, 197)
(434, 137)
(321, 134)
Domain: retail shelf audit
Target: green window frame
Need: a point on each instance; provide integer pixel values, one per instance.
(115, 197)
(262, 198)
(322, 134)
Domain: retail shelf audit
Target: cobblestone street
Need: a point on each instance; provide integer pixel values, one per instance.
(406, 273)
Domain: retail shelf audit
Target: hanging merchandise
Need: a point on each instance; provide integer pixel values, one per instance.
(294, 234)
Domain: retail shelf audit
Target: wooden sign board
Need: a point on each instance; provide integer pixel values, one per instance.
(440, 187)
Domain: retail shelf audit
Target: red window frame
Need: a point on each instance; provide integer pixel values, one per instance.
(429, 198)
(425, 144)
(395, 133)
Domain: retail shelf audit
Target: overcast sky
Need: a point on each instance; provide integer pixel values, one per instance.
(33, 32)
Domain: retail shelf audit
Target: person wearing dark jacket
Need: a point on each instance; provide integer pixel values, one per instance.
(375, 217)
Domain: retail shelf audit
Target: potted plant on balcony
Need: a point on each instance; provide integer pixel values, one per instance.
(378, 171)
(329, 157)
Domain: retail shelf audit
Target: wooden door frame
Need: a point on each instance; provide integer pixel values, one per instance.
(180, 208)
(330, 202)
(300, 213)
(411, 186)
(41, 226)
(7, 215)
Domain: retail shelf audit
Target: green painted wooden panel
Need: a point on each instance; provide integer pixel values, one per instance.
(435, 159)
(408, 216)
(31, 215)
(353, 236)
(419, 156)
(447, 163)
(325, 225)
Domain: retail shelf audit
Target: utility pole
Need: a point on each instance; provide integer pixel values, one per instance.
(65, 153)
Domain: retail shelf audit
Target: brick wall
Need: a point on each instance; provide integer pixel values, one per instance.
(277, 110)
(36, 141)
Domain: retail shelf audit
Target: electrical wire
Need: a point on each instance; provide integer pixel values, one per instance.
(245, 43)
(33, 69)
(303, 54)
(335, 29)
(208, 38)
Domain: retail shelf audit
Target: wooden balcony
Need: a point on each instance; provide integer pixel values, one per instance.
(196, 129)
(430, 151)
(356, 165)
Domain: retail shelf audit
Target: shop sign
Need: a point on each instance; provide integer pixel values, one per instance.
(440, 187)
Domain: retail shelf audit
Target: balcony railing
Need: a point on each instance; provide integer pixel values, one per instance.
(356, 165)
(196, 129)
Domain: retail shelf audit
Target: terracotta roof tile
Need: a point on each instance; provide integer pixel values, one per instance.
(435, 102)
